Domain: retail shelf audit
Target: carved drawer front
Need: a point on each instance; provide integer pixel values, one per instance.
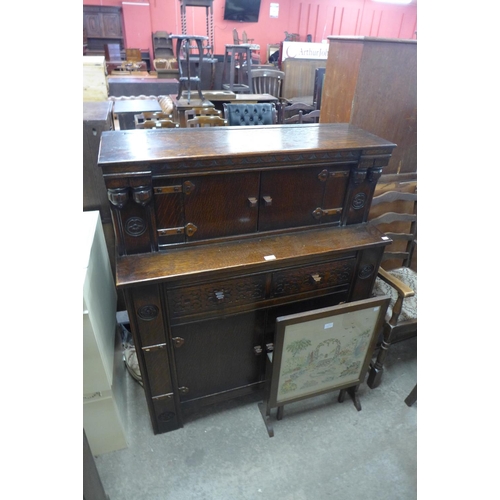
(216, 296)
(315, 277)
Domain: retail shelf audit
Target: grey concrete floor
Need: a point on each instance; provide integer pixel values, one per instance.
(321, 450)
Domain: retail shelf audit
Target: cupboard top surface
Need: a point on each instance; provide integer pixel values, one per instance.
(120, 148)
(247, 255)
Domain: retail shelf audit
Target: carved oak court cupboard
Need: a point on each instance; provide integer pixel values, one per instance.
(219, 231)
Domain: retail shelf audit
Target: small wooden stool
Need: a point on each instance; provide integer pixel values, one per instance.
(236, 52)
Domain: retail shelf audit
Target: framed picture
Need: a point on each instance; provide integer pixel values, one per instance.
(322, 350)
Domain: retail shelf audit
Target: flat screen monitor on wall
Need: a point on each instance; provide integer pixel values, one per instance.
(246, 11)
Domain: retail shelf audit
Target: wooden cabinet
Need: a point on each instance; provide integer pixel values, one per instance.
(372, 83)
(237, 183)
(102, 25)
(219, 232)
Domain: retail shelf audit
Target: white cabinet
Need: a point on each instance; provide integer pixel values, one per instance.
(103, 367)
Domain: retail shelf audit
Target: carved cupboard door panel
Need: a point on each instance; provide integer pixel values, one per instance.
(112, 25)
(220, 206)
(92, 24)
(336, 184)
(289, 198)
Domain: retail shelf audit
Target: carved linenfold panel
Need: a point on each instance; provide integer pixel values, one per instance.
(210, 296)
(300, 280)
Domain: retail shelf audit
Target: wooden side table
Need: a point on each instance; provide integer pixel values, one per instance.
(181, 105)
(125, 110)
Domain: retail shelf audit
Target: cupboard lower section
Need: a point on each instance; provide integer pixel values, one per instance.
(202, 335)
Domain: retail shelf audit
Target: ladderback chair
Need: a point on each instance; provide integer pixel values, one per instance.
(263, 113)
(293, 113)
(133, 60)
(150, 116)
(154, 120)
(267, 81)
(245, 38)
(206, 121)
(319, 79)
(397, 276)
(201, 111)
(148, 124)
(311, 117)
(113, 57)
(236, 37)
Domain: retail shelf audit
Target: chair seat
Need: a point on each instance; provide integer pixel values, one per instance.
(409, 278)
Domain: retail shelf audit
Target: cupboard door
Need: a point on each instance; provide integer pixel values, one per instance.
(93, 26)
(288, 198)
(111, 25)
(221, 206)
(217, 355)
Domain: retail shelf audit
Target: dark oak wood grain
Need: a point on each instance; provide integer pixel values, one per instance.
(372, 83)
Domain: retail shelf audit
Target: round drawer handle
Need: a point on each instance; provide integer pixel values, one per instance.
(219, 296)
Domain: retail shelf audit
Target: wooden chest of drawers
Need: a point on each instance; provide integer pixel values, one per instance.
(219, 232)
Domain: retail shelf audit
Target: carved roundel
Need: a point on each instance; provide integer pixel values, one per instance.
(148, 312)
(166, 416)
(359, 201)
(366, 271)
(135, 226)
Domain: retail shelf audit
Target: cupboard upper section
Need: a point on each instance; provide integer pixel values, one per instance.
(182, 186)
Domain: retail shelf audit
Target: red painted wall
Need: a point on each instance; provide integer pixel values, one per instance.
(319, 18)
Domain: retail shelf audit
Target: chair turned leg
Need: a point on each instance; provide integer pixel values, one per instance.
(412, 397)
(377, 368)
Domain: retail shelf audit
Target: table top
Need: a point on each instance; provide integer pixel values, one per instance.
(227, 96)
(136, 106)
(244, 146)
(255, 97)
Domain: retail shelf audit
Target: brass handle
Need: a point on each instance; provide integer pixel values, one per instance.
(178, 341)
(323, 175)
(188, 187)
(190, 229)
(268, 201)
(316, 278)
(320, 212)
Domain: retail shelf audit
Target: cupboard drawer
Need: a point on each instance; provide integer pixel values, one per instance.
(216, 296)
(314, 277)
